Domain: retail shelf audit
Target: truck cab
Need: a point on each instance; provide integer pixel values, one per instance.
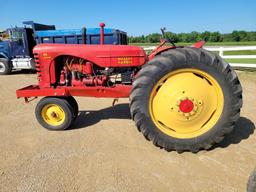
(16, 50)
(18, 46)
(21, 42)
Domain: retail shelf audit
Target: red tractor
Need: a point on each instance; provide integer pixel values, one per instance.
(181, 98)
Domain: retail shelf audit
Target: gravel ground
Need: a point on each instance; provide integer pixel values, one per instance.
(105, 152)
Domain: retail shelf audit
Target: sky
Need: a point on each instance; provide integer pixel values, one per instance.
(139, 17)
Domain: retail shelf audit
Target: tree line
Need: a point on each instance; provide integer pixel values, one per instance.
(194, 36)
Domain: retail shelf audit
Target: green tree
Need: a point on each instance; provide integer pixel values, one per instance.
(215, 37)
(235, 36)
(174, 37)
(196, 36)
(251, 36)
(227, 37)
(205, 35)
(153, 38)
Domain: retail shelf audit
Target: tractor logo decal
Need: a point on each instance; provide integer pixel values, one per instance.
(46, 56)
(124, 60)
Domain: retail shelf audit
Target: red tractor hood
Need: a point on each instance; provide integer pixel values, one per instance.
(101, 55)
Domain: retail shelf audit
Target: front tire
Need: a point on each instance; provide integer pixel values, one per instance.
(54, 113)
(72, 101)
(186, 99)
(5, 66)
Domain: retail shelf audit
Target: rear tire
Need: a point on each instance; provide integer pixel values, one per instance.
(54, 113)
(251, 185)
(5, 66)
(198, 61)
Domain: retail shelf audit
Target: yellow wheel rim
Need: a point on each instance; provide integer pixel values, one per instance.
(53, 114)
(186, 103)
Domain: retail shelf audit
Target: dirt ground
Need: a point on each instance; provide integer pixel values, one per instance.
(105, 152)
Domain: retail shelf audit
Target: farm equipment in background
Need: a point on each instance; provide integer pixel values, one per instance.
(16, 52)
(181, 98)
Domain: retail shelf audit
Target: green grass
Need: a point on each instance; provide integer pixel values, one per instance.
(241, 61)
(243, 52)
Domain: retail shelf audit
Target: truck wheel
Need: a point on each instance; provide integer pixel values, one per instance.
(54, 113)
(73, 103)
(5, 66)
(251, 185)
(186, 99)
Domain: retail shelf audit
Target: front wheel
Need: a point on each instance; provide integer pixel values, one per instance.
(72, 101)
(54, 113)
(186, 99)
(5, 66)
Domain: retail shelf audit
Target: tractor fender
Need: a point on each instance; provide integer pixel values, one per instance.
(158, 51)
(199, 44)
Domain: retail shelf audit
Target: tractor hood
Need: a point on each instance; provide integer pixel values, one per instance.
(101, 55)
(4, 49)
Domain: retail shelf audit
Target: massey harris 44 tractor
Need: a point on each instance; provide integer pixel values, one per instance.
(181, 98)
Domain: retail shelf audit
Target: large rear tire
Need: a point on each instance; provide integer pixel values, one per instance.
(186, 99)
(251, 185)
(5, 66)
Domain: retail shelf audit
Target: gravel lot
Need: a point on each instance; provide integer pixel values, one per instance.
(105, 152)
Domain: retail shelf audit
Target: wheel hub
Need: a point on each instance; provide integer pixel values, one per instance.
(53, 114)
(186, 106)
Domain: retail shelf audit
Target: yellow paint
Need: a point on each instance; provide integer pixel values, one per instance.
(53, 114)
(193, 84)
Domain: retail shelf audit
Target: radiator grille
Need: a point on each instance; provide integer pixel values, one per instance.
(38, 67)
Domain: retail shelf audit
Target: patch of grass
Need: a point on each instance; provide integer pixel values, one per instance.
(242, 52)
(253, 61)
(231, 43)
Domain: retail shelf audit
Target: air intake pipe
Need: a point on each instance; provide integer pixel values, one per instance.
(102, 25)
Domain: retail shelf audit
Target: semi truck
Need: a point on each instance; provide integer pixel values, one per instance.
(16, 51)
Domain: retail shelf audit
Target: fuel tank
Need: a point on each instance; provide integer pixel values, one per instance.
(101, 55)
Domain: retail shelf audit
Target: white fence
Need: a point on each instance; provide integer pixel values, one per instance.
(221, 51)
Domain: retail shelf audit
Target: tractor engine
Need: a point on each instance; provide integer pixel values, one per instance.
(79, 72)
(87, 65)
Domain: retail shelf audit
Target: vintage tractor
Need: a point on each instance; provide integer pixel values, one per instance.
(181, 98)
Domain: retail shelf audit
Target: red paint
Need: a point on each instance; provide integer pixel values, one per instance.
(101, 55)
(186, 106)
(102, 25)
(199, 44)
(87, 68)
(118, 91)
(91, 85)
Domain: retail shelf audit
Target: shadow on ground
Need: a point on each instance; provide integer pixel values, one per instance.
(23, 72)
(88, 118)
(243, 129)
